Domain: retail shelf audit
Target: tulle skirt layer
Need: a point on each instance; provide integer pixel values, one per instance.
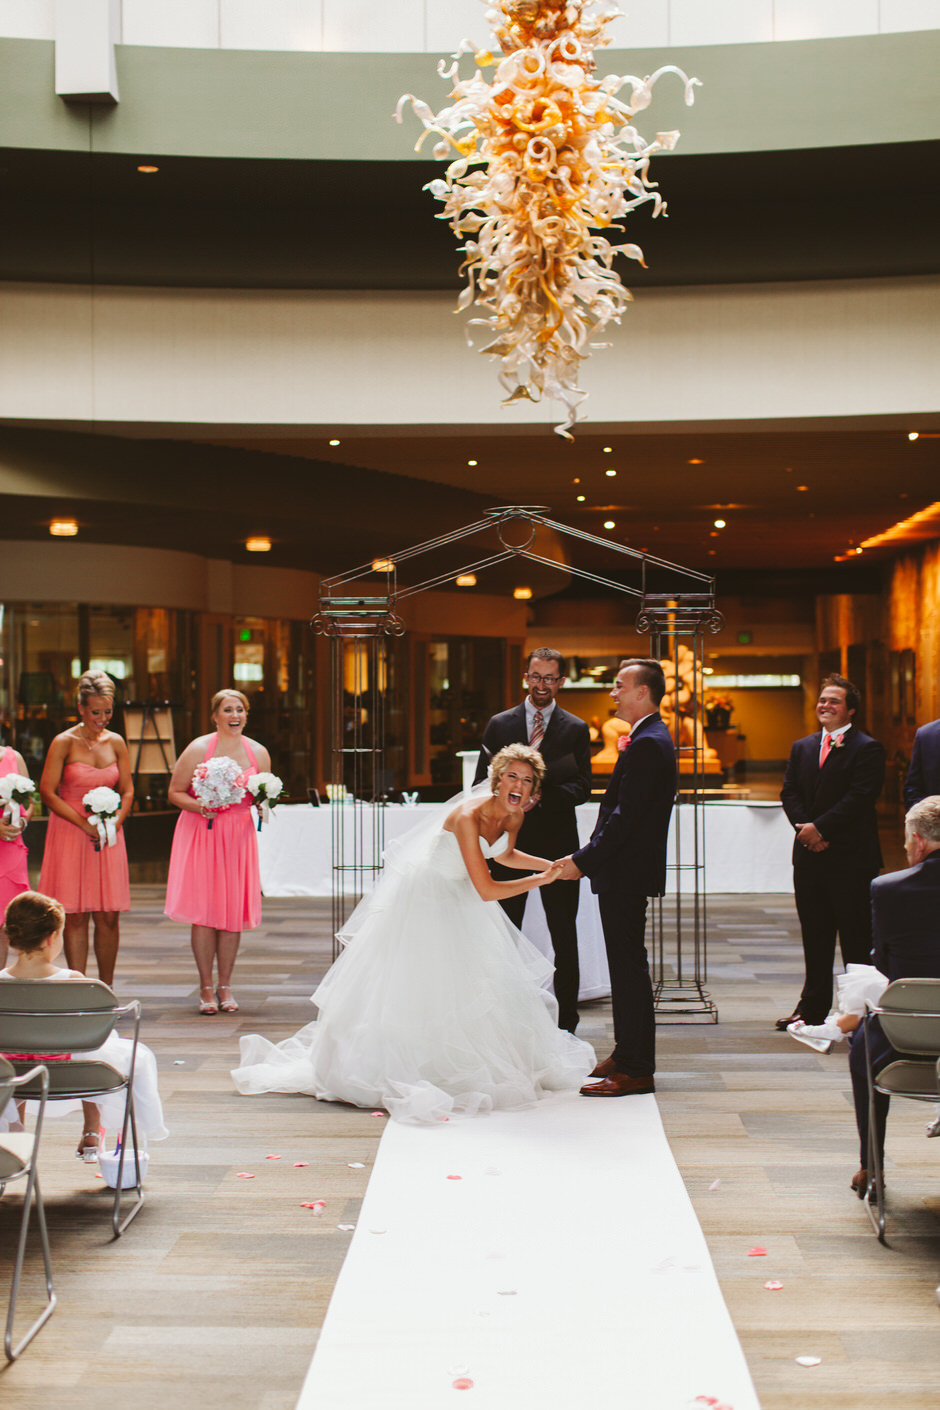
(435, 1009)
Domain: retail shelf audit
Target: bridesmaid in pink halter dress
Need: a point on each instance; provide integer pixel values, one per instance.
(214, 882)
(13, 876)
(89, 883)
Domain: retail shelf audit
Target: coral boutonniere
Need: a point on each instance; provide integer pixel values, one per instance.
(624, 742)
(839, 742)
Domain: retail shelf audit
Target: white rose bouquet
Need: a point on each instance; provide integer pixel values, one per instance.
(218, 784)
(103, 806)
(265, 789)
(16, 794)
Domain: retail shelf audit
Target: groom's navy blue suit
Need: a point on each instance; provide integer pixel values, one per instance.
(626, 863)
(549, 830)
(923, 776)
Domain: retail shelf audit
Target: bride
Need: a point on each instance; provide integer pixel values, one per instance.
(437, 1005)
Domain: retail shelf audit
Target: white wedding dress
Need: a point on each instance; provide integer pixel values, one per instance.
(434, 1009)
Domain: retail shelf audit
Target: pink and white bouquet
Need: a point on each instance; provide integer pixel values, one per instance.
(103, 806)
(219, 783)
(265, 789)
(16, 794)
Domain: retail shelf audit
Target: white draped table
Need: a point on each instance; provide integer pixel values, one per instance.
(746, 847)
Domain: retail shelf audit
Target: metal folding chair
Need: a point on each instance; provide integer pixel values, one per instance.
(75, 1016)
(909, 1014)
(19, 1154)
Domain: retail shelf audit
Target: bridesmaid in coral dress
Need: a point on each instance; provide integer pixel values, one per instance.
(214, 881)
(90, 883)
(13, 877)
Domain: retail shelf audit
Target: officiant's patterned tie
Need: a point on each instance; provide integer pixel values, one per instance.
(826, 746)
(538, 729)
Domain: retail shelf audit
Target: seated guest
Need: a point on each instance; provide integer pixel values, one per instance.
(905, 909)
(34, 925)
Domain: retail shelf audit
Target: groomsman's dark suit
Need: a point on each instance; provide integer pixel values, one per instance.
(832, 886)
(905, 909)
(550, 830)
(626, 862)
(923, 775)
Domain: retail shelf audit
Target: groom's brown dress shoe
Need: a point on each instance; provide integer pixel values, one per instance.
(604, 1069)
(783, 1024)
(619, 1085)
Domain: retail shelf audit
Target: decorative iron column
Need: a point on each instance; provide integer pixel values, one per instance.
(679, 989)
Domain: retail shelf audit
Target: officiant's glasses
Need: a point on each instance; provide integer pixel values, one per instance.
(534, 678)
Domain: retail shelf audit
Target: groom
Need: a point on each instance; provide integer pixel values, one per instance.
(626, 862)
(551, 827)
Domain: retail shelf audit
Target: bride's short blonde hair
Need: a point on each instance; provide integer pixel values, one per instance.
(522, 754)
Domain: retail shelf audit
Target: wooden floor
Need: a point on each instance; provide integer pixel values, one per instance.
(214, 1295)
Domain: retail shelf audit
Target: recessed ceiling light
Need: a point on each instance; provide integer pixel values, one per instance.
(522, 593)
(695, 462)
(466, 580)
(719, 523)
(334, 443)
(608, 450)
(382, 565)
(581, 498)
(259, 544)
(610, 473)
(576, 480)
(802, 488)
(148, 170)
(913, 435)
(471, 462)
(609, 524)
(64, 528)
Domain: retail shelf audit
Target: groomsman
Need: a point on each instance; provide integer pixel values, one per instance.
(829, 793)
(923, 775)
(550, 828)
(626, 861)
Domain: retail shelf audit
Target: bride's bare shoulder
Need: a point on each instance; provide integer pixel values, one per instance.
(464, 815)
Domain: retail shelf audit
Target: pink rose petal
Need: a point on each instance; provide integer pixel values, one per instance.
(809, 1360)
(714, 1185)
(300, 1164)
(772, 1285)
(376, 1113)
(757, 1252)
(244, 1175)
(355, 1165)
(455, 1177)
(463, 1383)
(272, 1157)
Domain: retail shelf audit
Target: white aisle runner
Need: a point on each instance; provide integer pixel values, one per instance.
(565, 1267)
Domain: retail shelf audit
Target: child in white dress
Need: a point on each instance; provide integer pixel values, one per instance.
(34, 925)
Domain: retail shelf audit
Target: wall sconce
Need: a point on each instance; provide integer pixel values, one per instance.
(261, 544)
(522, 594)
(382, 565)
(63, 528)
(466, 580)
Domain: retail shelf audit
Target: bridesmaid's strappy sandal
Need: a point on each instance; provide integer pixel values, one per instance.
(207, 1005)
(226, 1005)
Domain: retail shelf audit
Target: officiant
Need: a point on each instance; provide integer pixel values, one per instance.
(550, 828)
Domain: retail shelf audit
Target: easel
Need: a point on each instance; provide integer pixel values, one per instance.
(149, 726)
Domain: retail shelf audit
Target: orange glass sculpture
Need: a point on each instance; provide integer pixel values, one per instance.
(541, 160)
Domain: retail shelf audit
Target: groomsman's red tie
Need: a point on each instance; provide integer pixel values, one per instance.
(538, 729)
(826, 746)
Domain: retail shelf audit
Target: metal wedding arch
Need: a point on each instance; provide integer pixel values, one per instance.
(364, 616)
